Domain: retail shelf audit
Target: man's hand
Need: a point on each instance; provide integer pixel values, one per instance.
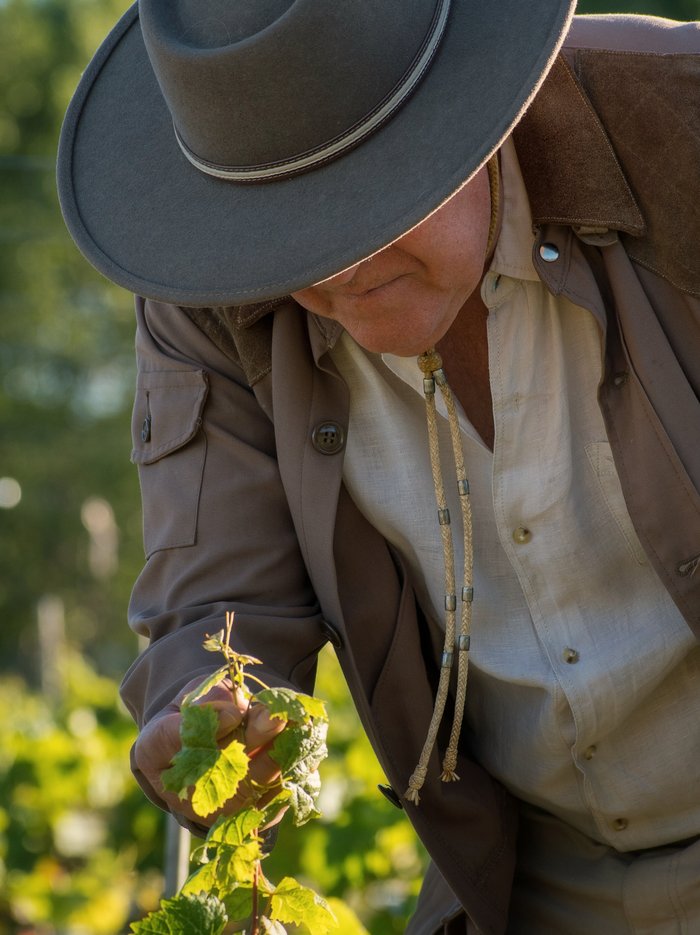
(159, 741)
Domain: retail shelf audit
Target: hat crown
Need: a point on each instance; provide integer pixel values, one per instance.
(261, 82)
(213, 24)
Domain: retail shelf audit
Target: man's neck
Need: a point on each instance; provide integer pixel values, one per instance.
(464, 351)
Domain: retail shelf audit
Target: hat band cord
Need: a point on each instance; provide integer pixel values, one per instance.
(339, 144)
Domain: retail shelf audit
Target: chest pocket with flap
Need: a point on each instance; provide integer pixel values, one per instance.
(170, 450)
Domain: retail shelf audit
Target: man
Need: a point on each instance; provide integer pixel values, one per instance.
(312, 196)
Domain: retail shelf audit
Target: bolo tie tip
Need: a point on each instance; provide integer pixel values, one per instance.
(412, 795)
(449, 775)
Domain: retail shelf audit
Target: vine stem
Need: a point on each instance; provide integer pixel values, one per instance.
(229, 625)
(255, 930)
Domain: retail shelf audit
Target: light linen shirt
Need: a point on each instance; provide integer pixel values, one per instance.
(584, 695)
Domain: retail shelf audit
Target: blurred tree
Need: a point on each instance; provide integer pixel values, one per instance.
(65, 357)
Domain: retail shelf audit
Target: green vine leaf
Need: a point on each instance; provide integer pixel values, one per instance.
(303, 797)
(299, 905)
(214, 773)
(202, 880)
(235, 864)
(271, 926)
(299, 750)
(271, 811)
(239, 903)
(288, 705)
(234, 829)
(228, 856)
(229, 883)
(184, 915)
(206, 685)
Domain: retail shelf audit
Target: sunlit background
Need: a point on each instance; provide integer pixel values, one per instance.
(81, 851)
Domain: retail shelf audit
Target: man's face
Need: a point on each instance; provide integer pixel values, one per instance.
(404, 298)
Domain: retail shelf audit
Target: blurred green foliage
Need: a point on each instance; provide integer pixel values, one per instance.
(80, 847)
(65, 356)
(362, 850)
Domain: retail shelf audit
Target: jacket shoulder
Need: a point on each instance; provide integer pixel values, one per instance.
(613, 138)
(626, 32)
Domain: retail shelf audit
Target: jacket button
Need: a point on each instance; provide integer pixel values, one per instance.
(328, 438)
(549, 252)
(389, 794)
(331, 634)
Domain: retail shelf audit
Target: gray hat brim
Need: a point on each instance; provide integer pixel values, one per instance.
(153, 223)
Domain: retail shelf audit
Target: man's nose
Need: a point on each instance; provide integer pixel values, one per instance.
(341, 278)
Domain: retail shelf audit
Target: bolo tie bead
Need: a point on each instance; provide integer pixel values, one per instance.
(430, 361)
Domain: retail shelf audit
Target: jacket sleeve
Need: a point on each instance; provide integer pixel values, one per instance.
(217, 531)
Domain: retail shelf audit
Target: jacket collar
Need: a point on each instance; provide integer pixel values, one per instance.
(570, 170)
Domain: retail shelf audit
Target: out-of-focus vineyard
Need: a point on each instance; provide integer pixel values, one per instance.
(81, 849)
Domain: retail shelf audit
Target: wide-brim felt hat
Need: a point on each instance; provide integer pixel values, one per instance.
(225, 152)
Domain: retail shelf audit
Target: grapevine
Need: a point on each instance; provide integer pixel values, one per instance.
(228, 888)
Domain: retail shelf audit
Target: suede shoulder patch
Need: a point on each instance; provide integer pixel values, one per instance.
(612, 140)
(650, 107)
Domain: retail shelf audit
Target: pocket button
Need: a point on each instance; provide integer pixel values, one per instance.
(328, 438)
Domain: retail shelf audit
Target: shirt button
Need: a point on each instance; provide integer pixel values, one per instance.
(549, 252)
(590, 752)
(570, 655)
(521, 535)
(620, 824)
(328, 438)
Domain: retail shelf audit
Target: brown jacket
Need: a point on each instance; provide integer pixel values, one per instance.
(239, 422)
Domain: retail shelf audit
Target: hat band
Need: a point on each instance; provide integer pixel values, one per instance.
(339, 144)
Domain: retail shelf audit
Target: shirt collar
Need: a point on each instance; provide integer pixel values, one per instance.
(513, 254)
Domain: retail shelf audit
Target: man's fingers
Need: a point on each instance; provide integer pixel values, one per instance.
(157, 744)
(261, 729)
(248, 723)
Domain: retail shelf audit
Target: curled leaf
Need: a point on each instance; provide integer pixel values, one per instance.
(205, 686)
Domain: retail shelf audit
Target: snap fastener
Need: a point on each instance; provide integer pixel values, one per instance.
(331, 634)
(620, 824)
(521, 535)
(389, 794)
(570, 655)
(328, 438)
(549, 252)
(146, 430)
